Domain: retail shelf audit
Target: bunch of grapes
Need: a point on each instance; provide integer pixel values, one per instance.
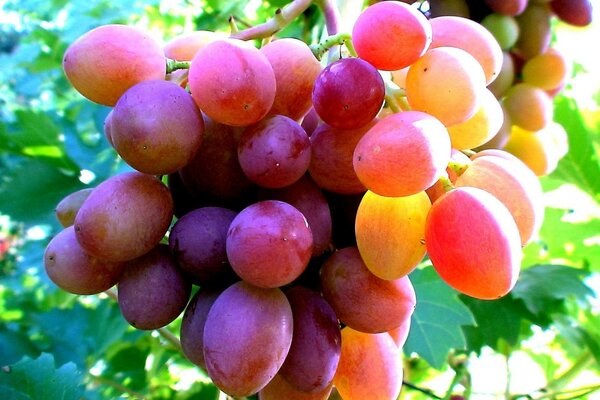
(298, 194)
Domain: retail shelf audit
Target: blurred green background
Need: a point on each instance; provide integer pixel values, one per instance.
(544, 335)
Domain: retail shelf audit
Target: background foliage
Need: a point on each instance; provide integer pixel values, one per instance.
(55, 345)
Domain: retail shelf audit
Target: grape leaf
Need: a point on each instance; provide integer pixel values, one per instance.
(31, 190)
(39, 379)
(581, 165)
(35, 135)
(544, 288)
(438, 318)
(496, 320)
(566, 241)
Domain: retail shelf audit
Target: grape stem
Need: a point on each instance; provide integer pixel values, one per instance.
(164, 332)
(331, 14)
(446, 183)
(338, 39)
(173, 65)
(233, 25)
(457, 167)
(283, 16)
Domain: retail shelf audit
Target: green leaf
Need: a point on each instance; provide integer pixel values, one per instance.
(569, 242)
(35, 135)
(544, 288)
(31, 190)
(436, 325)
(39, 379)
(496, 320)
(581, 165)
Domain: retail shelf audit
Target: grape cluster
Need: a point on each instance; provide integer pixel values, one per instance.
(303, 192)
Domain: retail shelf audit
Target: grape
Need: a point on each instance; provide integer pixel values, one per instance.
(67, 208)
(400, 334)
(468, 35)
(247, 335)
(360, 299)
(529, 107)
(514, 185)
(370, 367)
(296, 69)
(505, 78)
(500, 139)
(504, 28)
(315, 350)
(481, 127)
(473, 243)
(348, 93)
(574, 12)
(547, 71)
(331, 163)
(402, 154)
(193, 323)
(310, 201)
(75, 271)
(534, 27)
(183, 201)
(197, 241)
(279, 389)
(232, 82)
(124, 217)
(152, 290)
(452, 101)
(507, 7)
(274, 152)
(311, 121)
(540, 151)
(390, 231)
(458, 8)
(106, 61)
(269, 243)
(214, 172)
(185, 46)
(391, 35)
(156, 127)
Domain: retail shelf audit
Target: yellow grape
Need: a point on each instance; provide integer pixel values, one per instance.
(430, 89)
(529, 107)
(468, 35)
(540, 151)
(547, 71)
(481, 127)
(370, 367)
(389, 233)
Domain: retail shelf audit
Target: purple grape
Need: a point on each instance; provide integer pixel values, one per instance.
(316, 344)
(274, 152)
(247, 335)
(197, 241)
(269, 243)
(348, 93)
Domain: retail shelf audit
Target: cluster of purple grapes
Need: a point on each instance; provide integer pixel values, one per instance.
(300, 204)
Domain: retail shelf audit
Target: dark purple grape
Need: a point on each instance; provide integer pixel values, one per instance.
(197, 241)
(152, 290)
(192, 324)
(348, 93)
(316, 343)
